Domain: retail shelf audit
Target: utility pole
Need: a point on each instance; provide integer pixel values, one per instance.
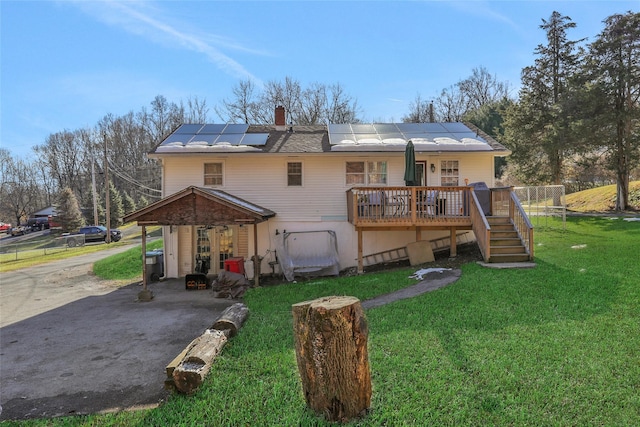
(106, 191)
(93, 190)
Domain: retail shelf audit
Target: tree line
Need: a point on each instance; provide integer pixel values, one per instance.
(574, 121)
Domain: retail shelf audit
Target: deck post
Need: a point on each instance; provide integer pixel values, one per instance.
(360, 262)
(454, 249)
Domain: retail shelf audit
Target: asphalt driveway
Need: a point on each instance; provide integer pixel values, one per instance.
(72, 344)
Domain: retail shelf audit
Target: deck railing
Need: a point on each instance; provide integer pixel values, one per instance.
(409, 206)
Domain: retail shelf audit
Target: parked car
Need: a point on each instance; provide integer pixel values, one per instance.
(5, 227)
(92, 233)
(38, 223)
(19, 230)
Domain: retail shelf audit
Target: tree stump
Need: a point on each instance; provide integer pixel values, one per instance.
(331, 349)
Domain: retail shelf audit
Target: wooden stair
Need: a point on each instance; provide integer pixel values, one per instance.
(506, 246)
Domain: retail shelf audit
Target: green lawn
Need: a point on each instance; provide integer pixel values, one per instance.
(557, 345)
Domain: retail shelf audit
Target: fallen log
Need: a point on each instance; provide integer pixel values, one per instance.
(194, 367)
(232, 318)
(330, 337)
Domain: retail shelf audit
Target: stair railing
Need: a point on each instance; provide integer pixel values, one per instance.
(504, 201)
(521, 223)
(481, 227)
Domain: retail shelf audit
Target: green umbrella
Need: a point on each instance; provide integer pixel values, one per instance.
(409, 164)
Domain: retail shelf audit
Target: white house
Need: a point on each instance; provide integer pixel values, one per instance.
(234, 190)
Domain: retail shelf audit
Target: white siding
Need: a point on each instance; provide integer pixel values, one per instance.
(320, 204)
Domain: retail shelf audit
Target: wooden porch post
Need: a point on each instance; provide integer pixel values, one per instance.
(256, 259)
(145, 294)
(454, 245)
(360, 262)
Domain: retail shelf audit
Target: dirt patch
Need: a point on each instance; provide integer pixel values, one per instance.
(467, 253)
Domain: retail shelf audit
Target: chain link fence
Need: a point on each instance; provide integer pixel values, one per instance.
(38, 247)
(543, 202)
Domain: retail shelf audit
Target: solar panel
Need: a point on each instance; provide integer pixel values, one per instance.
(433, 127)
(177, 137)
(361, 136)
(363, 128)
(336, 138)
(386, 128)
(235, 128)
(212, 128)
(339, 128)
(203, 138)
(229, 138)
(189, 128)
(255, 138)
(410, 128)
(455, 127)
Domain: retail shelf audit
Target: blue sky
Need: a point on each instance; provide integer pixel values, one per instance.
(66, 64)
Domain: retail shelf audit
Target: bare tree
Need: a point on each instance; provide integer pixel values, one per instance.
(420, 111)
(240, 108)
(19, 192)
(315, 104)
(196, 110)
(341, 108)
(64, 154)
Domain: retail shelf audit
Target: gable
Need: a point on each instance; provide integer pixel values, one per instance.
(200, 206)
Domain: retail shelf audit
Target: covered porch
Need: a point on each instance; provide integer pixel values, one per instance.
(196, 206)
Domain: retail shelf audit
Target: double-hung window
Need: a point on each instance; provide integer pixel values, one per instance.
(449, 173)
(213, 174)
(294, 174)
(366, 173)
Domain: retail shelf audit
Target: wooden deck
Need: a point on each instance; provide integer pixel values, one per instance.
(438, 208)
(432, 207)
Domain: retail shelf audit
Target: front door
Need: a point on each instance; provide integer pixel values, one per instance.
(421, 167)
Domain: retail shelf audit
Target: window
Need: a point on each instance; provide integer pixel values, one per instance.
(449, 173)
(294, 174)
(213, 174)
(366, 173)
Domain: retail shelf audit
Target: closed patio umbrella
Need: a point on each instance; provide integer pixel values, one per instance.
(409, 164)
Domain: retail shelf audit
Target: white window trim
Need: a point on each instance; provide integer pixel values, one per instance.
(441, 176)
(366, 173)
(223, 174)
(286, 173)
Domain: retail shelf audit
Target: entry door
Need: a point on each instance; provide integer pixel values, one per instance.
(421, 167)
(224, 244)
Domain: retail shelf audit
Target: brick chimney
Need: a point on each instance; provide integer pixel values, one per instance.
(281, 122)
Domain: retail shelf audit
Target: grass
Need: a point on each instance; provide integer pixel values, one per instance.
(554, 345)
(125, 265)
(601, 199)
(48, 248)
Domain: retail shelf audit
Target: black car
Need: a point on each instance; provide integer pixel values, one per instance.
(93, 233)
(39, 223)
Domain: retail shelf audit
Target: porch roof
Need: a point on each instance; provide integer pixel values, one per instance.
(200, 206)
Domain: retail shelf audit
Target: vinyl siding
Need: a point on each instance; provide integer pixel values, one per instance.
(319, 204)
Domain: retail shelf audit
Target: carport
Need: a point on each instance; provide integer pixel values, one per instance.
(200, 206)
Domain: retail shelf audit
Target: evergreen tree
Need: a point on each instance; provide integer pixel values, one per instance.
(69, 214)
(613, 95)
(143, 202)
(116, 209)
(538, 126)
(128, 204)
